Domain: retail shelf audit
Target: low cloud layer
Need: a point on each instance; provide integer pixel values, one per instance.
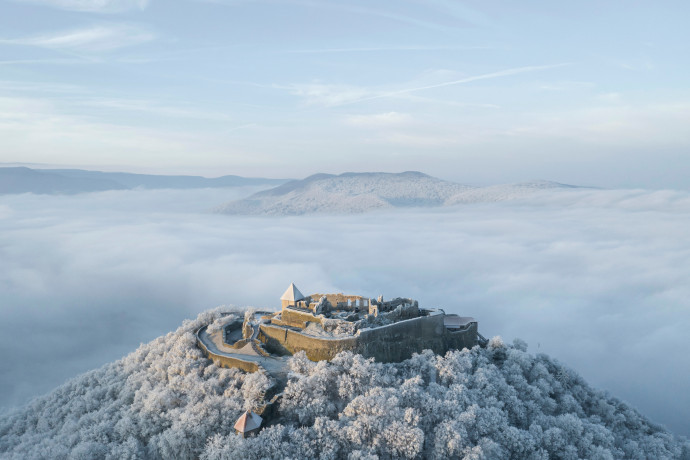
(598, 279)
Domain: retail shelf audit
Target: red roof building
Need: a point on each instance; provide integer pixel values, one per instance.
(248, 424)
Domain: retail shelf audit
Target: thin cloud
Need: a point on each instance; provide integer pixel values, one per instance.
(386, 48)
(327, 95)
(29, 125)
(103, 37)
(15, 62)
(450, 103)
(340, 95)
(486, 76)
(377, 120)
(339, 8)
(610, 123)
(13, 87)
(154, 108)
(91, 6)
(461, 11)
(388, 15)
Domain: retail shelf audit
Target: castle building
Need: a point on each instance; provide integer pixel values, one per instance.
(322, 325)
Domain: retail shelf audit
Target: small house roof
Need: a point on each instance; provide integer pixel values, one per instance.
(292, 294)
(248, 421)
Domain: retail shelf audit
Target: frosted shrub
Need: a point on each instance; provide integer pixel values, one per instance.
(253, 389)
(218, 324)
(249, 314)
(519, 344)
(344, 328)
(337, 327)
(496, 342)
(299, 364)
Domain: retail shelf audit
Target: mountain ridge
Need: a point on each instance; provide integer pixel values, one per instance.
(21, 179)
(362, 192)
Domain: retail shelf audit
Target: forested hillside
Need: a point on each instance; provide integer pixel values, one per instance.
(166, 400)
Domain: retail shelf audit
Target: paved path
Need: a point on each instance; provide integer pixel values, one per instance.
(275, 365)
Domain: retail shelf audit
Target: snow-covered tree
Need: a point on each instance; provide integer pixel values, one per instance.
(165, 400)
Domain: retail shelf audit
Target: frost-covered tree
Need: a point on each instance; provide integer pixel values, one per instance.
(166, 401)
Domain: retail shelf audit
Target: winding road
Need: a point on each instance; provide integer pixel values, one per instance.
(274, 365)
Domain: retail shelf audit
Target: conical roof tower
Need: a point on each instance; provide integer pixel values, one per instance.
(292, 294)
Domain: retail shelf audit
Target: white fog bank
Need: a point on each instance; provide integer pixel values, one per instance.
(598, 279)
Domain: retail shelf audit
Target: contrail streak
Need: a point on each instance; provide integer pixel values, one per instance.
(486, 76)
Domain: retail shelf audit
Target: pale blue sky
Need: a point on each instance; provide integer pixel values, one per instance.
(474, 91)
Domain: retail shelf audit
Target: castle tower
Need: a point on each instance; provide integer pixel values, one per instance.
(291, 296)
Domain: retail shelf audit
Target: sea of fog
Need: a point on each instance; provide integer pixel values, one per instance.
(598, 279)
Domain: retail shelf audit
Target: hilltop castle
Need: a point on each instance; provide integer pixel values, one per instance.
(322, 325)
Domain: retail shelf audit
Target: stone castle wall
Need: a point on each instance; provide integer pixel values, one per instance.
(391, 343)
(296, 318)
(226, 361)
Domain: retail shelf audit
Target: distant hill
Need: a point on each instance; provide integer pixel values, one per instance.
(71, 181)
(505, 192)
(362, 192)
(26, 180)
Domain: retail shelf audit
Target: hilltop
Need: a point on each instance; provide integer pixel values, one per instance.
(166, 400)
(362, 192)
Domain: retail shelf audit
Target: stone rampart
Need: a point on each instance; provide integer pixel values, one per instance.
(274, 339)
(259, 348)
(226, 361)
(464, 338)
(391, 343)
(239, 344)
(297, 318)
(398, 341)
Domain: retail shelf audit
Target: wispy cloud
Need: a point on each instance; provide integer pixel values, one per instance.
(52, 129)
(447, 22)
(154, 108)
(30, 87)
(460, 11)
(15, 62)
(386, 48)
(101, 37)
(79, 96)
(328, 95)
(611, 122)
(486, 76)
(339, 95)
(93, 6)
(376, 120)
